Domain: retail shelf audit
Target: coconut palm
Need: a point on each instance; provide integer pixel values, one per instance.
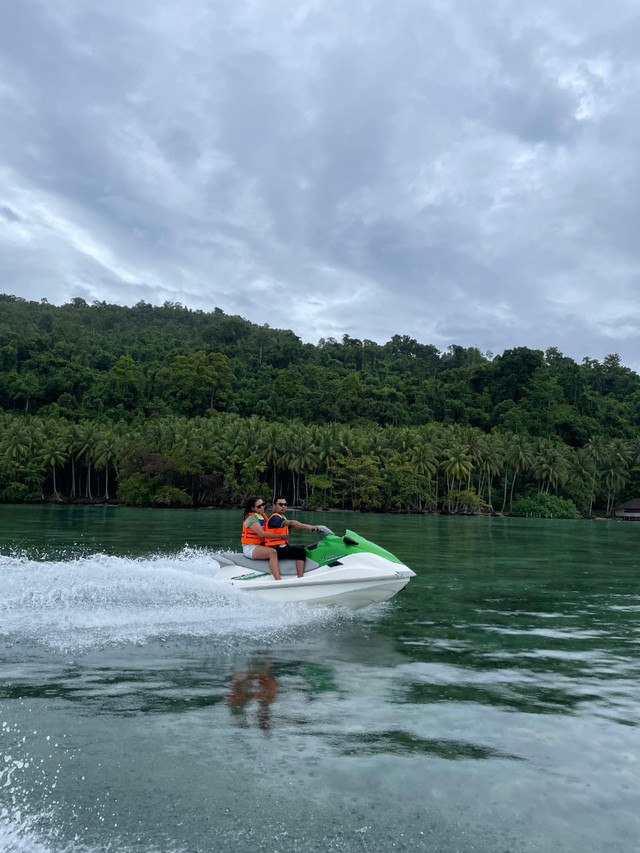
(16, 439)
(476, 448)
(598, 449)
(457, 464)
(614, 480)
(518, 457)
(87, 438)
(423, 460)
(490, 462)
(550, 465)
(301, 456)
(330, 444)
(270, 444)
(53, 452)
(612, 459)
(107, 452)
(582, 470)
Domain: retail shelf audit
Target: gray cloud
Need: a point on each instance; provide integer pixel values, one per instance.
(8, 214)
(463, 173)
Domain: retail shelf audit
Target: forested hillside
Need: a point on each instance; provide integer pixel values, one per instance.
(174, 406)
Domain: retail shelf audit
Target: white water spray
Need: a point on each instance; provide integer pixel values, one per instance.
(75, 605)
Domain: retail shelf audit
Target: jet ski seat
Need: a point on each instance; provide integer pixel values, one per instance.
(287, 567)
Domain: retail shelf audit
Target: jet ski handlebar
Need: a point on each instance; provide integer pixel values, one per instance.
(323, 530)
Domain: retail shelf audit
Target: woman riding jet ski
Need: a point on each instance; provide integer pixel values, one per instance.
(268, 538)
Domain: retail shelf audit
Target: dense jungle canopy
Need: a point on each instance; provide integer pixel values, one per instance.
(169, 406)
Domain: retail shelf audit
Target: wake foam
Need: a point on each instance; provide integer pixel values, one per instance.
(99, 600)
(19, 832)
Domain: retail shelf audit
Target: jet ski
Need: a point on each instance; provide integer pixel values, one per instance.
(340, 571)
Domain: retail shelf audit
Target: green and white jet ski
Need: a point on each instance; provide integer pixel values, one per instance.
(340, 571)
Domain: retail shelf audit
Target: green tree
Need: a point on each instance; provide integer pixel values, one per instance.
(106, 455)
(196, 382)
(457, 465)
(518, 457)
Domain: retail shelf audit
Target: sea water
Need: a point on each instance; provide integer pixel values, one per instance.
(492, 706)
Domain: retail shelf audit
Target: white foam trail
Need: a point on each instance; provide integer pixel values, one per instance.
(30, 771)
(99, 600)
(18, 828)
(15, 839)
(26, 778)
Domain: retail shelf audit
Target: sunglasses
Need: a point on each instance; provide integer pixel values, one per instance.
(280, 504)
(257, 506)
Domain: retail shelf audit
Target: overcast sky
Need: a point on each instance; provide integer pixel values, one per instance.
(461, 171)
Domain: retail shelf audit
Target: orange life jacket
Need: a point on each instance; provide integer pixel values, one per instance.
(283, 531)
(248, 536)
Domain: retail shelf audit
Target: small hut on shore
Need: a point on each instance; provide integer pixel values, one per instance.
(629, 510)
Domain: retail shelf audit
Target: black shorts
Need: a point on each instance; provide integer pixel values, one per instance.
(290, 552)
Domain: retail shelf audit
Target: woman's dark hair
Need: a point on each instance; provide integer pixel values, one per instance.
(248, 507)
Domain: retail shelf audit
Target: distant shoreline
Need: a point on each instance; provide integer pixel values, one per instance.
(116, 504)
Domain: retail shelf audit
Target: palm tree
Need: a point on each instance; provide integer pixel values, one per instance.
(423, 459)
(518, 456)
(490, 462)
(329, 441)
(75, 441)
(614, 480)
(54, 452)
(621, 452)
(301, 455)
(85, 449)
(612, 460)
(582, 469)
(457, 464)
(106, 454)
(550, 465)
(380, 444)
(476, 447)
(598, 449)
(16, 439)
(270, 443)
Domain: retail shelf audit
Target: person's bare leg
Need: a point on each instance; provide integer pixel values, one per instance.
(260, 552)
(274, 565)
(300, 568)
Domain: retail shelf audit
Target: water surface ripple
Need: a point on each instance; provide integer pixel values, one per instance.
(493, 706)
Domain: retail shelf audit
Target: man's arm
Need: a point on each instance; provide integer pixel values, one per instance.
(298, 525)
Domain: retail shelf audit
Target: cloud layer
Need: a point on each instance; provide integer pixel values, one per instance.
(460, 172)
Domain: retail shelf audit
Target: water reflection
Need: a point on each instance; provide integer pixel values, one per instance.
(252, 689)
(400, 742)
(256, 685)
(141, 682)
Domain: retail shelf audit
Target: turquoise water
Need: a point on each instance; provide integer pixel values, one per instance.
(492, 706)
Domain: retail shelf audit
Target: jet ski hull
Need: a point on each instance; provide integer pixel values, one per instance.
(350, 594)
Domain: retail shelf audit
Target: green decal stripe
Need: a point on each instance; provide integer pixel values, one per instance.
(250, 577)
